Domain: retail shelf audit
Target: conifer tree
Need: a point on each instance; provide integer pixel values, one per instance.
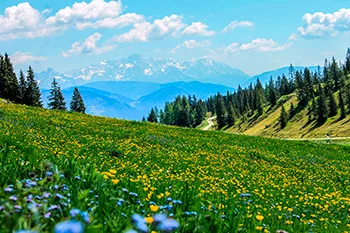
(322, 108)
(283, 118)
(230, 115)
(2, 74)
(220, 111)
(143, 119)
(333, 108)
(161, 116)
(272, 95)
(152, 117)
(291, 111)
(32, 95)
(342, 105)
(259, 97)
(56, 97)
(347, 62)
(77, 103)
(10, 89)
(23, 87)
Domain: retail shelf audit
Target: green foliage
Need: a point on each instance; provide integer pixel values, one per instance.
(56, 99)
(77, 103)
(322, 108)
(283, 118)
(32, 95)
(221, 112)
(152, 117)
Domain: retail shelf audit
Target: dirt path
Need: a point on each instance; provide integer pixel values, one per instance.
(210, 122)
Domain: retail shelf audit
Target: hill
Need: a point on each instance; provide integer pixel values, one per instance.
(207, 181)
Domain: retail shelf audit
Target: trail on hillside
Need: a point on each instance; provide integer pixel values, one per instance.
(210, 122)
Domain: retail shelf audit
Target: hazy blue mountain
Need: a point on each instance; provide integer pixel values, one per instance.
(132, 90)
(265, 77)
(133, 100)
(101, 103)
(136, 68)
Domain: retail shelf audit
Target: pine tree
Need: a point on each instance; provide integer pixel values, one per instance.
(322, 108)
(283, 118)
(161, 116)
(11, 89)
(335, 75)
(152, 116)
(342, 105)
(56, 97)
(230, 115)
(220, 111)
(272, 95)
(77, 103)
(347, 62)
(2, 74)
(201, 111)
(32, 95)
(291, 111)
(23, 87)
(259, 97)
(143, 119)
(333, 108)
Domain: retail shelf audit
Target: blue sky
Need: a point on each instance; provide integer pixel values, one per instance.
(251, 35)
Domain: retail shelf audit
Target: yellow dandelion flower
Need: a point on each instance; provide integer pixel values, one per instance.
(259, 217)
(154, 208)
(149, 220)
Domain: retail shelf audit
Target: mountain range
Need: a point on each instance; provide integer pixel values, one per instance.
(130, 87)
(135, 68)
(133, 100)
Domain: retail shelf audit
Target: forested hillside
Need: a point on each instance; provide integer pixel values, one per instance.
(298, 101)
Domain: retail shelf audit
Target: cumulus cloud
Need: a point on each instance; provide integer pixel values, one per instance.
(321, 24)
(192, 44)
(260, 45)
(24, 21)
(145, 31)
(22, 16)
(197, 29)
(89, 46)
(20, 58)
(235, 24)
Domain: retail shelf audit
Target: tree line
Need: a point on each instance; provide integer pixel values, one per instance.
(25, 89)
(317, 91)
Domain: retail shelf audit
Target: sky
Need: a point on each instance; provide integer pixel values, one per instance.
(252, 35)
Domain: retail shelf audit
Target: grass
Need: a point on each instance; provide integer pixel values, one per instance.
(111, 169)
(299, 126)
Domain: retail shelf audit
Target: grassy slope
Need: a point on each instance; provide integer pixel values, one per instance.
(285, 178)
(298, 127)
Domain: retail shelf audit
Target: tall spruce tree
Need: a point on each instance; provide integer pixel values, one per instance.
(56, 99)
(291, 111)
(333, 107)
(347, 62)
(152, 117)
(230, 115)
(342, 104)
(23, 87)
(283, 118)
(32, 95)
(220, 111)
(259, 94)
(322, 108)
(77, 103)
(11, 89)
(2, 74)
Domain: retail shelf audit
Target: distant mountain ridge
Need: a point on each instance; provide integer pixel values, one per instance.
(134, 100)
(135, 68)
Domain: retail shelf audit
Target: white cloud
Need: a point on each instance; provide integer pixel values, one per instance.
(260, 45)
(197, 29)
(118, 22)
(192, 44)
(20, 58)
(22, 16)
(145, 31)
(235, 24)
(24, 21)
(88, 47)
(96, 9)
(292, 37)
(321, 24)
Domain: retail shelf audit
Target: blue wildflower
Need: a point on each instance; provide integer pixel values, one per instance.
(74, 212)
(168, 225)
(69, 227)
